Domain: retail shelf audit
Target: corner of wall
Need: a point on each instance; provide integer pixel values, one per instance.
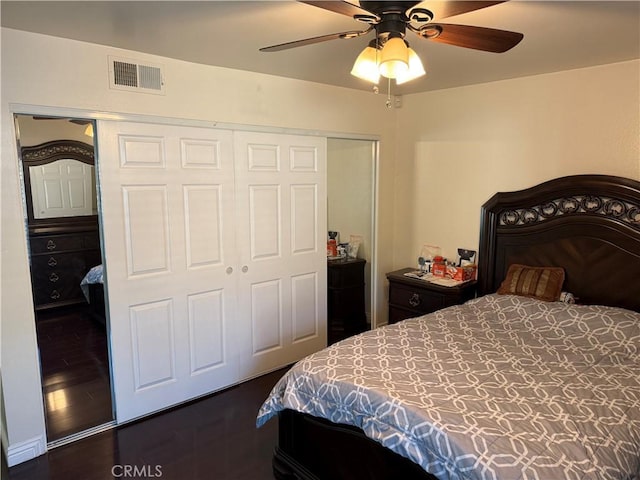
(27, 450)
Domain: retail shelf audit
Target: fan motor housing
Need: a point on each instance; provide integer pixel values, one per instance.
(393, 17)
(380, 8)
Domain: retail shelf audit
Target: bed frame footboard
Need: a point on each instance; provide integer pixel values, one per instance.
(311, 448)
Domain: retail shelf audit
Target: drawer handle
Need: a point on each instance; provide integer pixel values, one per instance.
(414, 301)
(54, 277)
(51, 245)
(55, 295)
(52, 262)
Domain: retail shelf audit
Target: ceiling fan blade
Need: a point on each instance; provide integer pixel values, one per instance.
(344, 8)
(77, 121)
(444, 9)
(478, 38)
(312, 40)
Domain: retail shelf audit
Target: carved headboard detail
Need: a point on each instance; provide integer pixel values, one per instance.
(55, 150)
(588, 224)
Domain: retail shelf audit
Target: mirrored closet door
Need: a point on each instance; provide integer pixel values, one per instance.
(59, 186)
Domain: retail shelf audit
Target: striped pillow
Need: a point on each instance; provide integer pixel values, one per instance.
(544, 283)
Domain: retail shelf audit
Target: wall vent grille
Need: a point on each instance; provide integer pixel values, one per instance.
(129, 75)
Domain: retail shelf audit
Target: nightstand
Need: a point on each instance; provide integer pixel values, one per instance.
(410, 297)
(345, 298)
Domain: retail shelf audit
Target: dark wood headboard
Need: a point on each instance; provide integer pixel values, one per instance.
(588, 224)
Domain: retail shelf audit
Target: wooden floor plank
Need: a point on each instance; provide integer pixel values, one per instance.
(214, 438)
(75, 371)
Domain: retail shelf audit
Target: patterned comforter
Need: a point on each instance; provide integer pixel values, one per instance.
(503, 387)
(95, 275)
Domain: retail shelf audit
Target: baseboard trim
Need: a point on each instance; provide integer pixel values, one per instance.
(27, 450)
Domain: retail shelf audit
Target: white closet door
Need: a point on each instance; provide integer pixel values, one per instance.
(167, 206)
(281, 221)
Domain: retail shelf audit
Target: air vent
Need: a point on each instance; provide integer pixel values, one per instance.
(129, 75)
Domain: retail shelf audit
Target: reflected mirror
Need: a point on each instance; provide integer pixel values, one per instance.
(60, 187)
(59, 177)
(58, 167)
(64, 188)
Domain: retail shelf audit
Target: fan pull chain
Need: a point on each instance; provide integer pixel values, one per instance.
(388, 103)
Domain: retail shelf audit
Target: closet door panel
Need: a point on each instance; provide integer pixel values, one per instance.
(153, 344)
(304, 219)
(203, 225)
(265, 220)
(266, 316)
(169, 234)
(206, 331)
(305, 321)
(281, 225)
(146, 225)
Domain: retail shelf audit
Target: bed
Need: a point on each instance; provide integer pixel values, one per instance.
(92, 286)
(506, 386)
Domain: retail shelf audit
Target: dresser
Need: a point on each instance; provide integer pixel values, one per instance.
(60, 258)
(410, 297)
(345, 298)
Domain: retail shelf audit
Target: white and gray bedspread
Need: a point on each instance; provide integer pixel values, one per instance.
(503, 387)
(95, 275)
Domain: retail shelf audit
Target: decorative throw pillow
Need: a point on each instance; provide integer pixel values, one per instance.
(544, 283)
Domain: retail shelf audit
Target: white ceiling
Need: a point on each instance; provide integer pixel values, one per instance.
(558, 35)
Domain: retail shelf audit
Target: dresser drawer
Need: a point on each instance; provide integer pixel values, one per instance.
(60, 258)
(56, 278)
(419, 301)
(59, 292)
(345, 299)
(345, 273)
(410, 297)
(59, 262)
(91, 241)
(56, 243)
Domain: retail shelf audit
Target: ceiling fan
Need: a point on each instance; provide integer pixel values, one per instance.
(88, 124)
(77, 121)
(390, 21)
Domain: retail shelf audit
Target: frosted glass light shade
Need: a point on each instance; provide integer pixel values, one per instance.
(366, 65)
(415, 69)
(394, 58)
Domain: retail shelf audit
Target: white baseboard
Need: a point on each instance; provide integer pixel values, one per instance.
(27, 450)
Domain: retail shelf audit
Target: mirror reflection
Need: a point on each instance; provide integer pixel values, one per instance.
(64, 188)
(59, 174)
(58, 169)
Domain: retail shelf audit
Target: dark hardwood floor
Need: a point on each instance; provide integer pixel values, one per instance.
(75, 370)
(214, 438)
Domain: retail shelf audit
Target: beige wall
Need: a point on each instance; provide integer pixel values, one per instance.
(42, 71)
(457, 147)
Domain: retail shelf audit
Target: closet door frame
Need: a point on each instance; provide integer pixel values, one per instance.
(96, 115)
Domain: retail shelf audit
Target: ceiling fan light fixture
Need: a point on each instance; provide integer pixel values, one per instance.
(416, 69)
(394, 58)
(366, 65)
